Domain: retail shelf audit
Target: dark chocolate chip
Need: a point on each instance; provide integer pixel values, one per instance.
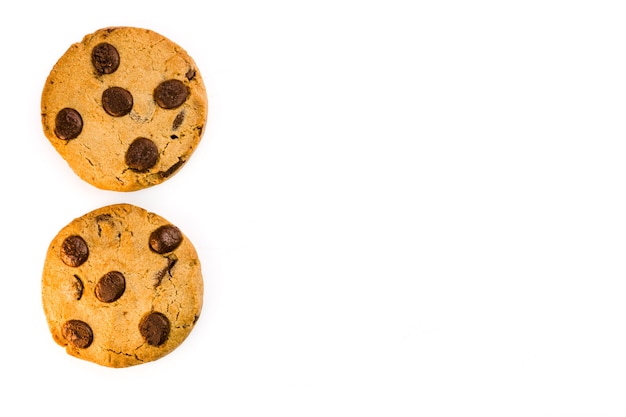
(190, 74)
(103, 217)
(165, 239)
(178, 120)
(78, 287)
(117, 102)
(155, 328)
(171, 94)
(168, 172)
(74, 251)
(158, 277)
(77, 333)
(142, 155)
(110, 287)
(68, 124)
(105, 58)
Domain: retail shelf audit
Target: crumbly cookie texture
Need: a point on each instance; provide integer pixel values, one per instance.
(126, 108)
(121, 286)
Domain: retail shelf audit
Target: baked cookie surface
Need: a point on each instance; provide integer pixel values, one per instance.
(125, 107)
(121, 286)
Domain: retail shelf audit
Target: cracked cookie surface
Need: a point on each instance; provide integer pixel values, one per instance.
(121, 286)
(125, 107)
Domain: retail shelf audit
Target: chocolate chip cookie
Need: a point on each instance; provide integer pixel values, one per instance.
(121, 286)
(126, 108)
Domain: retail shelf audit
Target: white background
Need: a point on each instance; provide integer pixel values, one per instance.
(402, 208)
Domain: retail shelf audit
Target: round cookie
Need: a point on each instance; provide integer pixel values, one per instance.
(121, 286)
(126, 108)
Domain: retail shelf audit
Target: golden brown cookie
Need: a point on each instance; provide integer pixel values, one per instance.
(126, 108)
(121, 286)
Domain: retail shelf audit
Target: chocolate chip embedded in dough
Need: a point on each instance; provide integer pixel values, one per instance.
(78, 287)
(110, 287)
(172, 169)
(77, 333)
(158, 277)
(142, 155)
(105, 58)
(74, 251)
(171, 94)
(68, 124)
(165, 239)
(178, 120)
(155, 328)
(117, 101)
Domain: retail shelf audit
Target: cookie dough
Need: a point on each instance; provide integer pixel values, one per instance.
(121, 286)
(126, 108)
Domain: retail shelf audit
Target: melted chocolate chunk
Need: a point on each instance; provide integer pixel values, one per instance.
(142, 155)
(155, 328)
(77, 333)
(74, 251)
(117, 102)
(105, 58)
(68, 124)
(171, 94)
(110, 287)
(165, 239)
